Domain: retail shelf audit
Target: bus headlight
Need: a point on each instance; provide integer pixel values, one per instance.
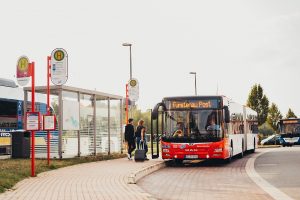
(166, 150)
(218, 150)
(166, 146)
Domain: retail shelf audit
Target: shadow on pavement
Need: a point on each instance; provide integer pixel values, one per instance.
(206, 163)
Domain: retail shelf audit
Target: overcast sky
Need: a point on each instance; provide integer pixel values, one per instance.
(230, 44)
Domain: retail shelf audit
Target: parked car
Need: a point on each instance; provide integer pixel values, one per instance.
(271, 140)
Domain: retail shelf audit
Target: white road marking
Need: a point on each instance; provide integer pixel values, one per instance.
(266, 165)
(262, 183)
(270, 173)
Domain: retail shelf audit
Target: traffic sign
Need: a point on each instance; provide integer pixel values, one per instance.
(133, 89)
(23, 71)
(59, 66)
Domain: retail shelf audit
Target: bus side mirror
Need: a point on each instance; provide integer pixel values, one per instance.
(154, 114)
(156, 109)
(227, 114)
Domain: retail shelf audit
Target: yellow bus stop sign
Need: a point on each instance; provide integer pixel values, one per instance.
(59, 55)
(23, 72)
(59, 66)
(23, 63)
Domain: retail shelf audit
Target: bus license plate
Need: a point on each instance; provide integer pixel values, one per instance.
(191, 156)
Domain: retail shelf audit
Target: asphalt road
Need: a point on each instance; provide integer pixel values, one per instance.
(205, 180)
(281, 168)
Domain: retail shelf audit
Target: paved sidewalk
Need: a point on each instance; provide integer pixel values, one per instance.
(5, 156)
(97, 180)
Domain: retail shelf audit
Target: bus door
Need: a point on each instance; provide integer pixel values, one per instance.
(157, 127)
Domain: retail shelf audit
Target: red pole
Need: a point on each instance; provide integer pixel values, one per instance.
(32, 132)
(48, 107)
(126, 103)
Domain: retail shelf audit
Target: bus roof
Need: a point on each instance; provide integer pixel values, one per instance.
(8, 83)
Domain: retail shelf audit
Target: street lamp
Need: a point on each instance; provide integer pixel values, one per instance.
(127, 97)
(195, 82)
(129, 45)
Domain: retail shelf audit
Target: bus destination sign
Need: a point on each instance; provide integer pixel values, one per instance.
(193, 104)
(293, 121)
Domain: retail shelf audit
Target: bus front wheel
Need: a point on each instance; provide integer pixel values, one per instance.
(178, 161)
(229, 159)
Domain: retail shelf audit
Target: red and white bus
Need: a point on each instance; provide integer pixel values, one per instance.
(202, 127)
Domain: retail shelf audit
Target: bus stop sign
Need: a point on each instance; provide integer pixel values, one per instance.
(133, 89)
(23, 71)
(59, 66)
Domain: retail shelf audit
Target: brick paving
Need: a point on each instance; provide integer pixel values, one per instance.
(98, 180)
(205, 180)
(108, 180)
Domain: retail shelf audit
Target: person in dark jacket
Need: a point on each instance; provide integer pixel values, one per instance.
(129, 137)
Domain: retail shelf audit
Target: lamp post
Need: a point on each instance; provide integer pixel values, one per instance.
(129, 45)
(127, 100)
(195, 81)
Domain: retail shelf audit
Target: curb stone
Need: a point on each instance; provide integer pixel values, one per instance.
(137, 175)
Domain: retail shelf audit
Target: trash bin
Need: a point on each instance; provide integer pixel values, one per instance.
(20, 144)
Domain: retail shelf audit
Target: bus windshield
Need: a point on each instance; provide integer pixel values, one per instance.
(193, 126)
(291, 128)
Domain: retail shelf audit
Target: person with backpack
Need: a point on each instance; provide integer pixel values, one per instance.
(140, 135)
(129, 137)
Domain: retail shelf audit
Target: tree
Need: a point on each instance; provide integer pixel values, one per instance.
(137, 114)
(258, 101)
(274, 116)
(265, 129)
(290, 114)
(54, 106)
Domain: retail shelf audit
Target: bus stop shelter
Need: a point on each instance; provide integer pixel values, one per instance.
(88, 122)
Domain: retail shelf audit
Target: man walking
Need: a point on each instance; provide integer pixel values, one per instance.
(129, 137)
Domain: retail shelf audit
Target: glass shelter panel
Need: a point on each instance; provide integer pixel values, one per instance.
(69, 137)
(102, 126)
(115, 129)
(86, 125)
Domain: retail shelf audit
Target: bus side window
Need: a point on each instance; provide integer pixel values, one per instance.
(242, 128)
(254, 128)
(250, 128)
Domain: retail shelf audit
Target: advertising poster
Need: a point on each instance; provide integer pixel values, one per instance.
(70, 115)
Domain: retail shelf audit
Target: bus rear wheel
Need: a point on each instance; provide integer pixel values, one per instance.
(241, 155)
(254, 146)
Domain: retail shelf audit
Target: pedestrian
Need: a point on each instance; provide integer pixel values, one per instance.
(140, 135)
(129, 137)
